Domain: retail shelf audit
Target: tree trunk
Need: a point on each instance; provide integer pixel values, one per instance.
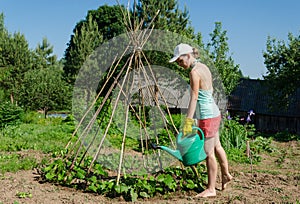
(12, 97)
(45, 112)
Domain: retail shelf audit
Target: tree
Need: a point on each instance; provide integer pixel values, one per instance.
(110, 20)
(15, 60)
(169, 18)
(44, 89)
(228, 71)
(85, 40)
(282, 61)
(174, 23)
(31, 78)
(44, 55)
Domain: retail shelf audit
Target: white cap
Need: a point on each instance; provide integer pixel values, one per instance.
(181, 49)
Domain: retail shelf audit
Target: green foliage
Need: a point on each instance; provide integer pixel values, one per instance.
(282, 61)
(19, 143)
(43, 55)
(13, 162)
(10, 114)
(170, 17)
(285, 136)
(261, 144)
(24, 195)
(235, 135)
(257, 147)
(228, 71)
(44, 89)
(153, 123)
(131, 187)
(25, 72)
(85, 40)
(46, 135)
(110, 23)
(15, 60)
(234, 138)
(109, 19)
(32, 117)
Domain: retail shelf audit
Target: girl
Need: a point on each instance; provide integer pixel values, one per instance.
(207, 113)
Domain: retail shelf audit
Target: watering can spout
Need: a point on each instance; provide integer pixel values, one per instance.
(175, 153)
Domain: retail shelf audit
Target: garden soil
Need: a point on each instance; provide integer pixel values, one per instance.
(276, 179)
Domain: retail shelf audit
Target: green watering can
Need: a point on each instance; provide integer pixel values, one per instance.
(190, 148)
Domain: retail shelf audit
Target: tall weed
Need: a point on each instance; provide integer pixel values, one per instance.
(234, 134)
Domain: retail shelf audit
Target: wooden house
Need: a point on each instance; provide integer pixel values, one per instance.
(254, 95)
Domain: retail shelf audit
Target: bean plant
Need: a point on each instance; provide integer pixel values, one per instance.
(131, 187)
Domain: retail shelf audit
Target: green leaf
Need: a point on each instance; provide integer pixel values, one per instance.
(133, 195)
(99, 170)
(161, 178)
(190, 184)
(80, 174)
(144, 195)
(60, 177)
(49, 176)
(92, 179)
(159, 189)
(93, 188)
(151, 178)
(47, 169)
(122, 188)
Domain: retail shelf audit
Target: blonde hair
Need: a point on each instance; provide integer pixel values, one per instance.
(195, 52)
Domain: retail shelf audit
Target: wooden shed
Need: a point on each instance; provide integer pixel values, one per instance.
(254, 95)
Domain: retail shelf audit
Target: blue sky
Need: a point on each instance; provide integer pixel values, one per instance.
(248, 23)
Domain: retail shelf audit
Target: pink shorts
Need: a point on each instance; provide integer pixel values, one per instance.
(210, 126)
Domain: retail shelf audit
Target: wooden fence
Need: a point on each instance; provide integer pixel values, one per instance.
(273, 124)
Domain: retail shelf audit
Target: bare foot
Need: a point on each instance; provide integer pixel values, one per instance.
(207, 193)
(226, 180)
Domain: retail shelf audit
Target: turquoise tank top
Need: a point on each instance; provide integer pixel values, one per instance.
(206, 106)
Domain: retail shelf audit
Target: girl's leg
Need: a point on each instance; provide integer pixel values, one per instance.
(212, 169)
(222, 158)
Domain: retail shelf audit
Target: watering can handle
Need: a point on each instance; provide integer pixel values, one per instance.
(201, 131)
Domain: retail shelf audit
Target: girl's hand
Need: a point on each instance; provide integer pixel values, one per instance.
(187, 127)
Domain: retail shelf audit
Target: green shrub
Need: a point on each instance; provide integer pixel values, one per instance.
(285, 136)
(32, 117)
(234, 137)
(10, 114)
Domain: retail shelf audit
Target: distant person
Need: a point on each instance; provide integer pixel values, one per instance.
(207, 113)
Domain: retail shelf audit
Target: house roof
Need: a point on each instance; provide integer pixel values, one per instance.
(253, 94)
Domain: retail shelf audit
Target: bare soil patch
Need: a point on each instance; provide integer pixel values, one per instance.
(276, 179)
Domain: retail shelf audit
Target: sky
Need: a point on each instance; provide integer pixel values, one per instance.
(248, 23)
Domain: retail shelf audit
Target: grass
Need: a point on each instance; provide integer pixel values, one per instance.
(50, 135)
(13, 162)
(40, 136)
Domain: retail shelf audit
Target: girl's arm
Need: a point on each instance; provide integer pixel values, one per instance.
(194, 82)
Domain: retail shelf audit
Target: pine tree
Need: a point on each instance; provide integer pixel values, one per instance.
(84, 41)
(44, 55)
(15, 60)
